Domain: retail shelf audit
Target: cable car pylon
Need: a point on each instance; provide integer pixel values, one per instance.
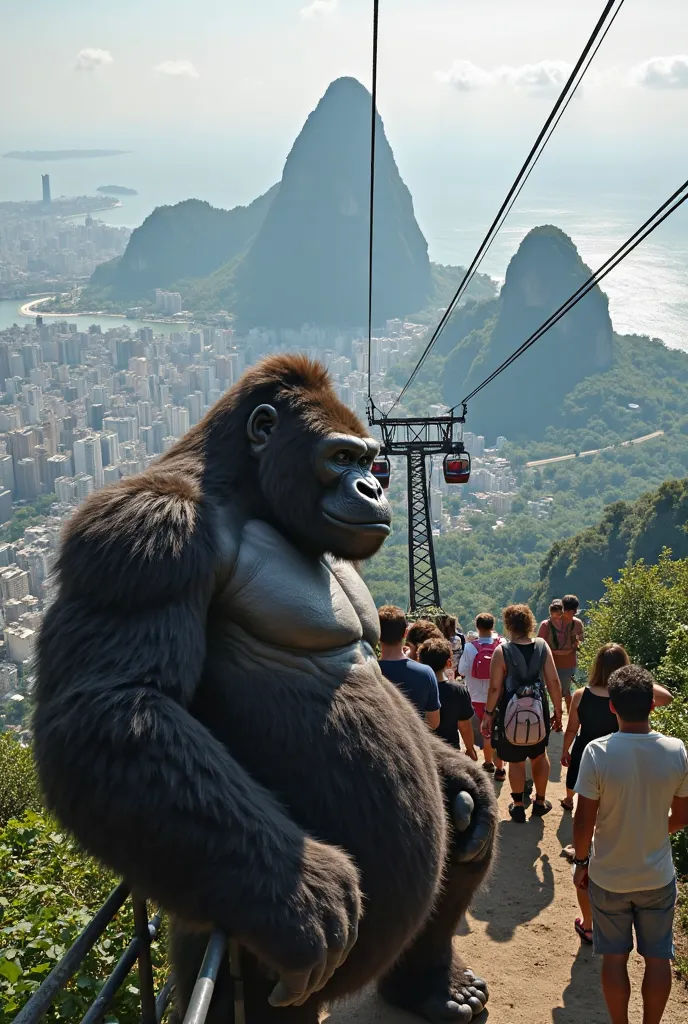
(416, 439)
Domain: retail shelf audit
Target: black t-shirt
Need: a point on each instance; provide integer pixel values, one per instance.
(456, 707)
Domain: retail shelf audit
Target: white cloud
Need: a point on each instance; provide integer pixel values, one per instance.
(318, 9)
(547, 76)
(177, 69)
(465, 77)
(662, 73)
(90, 58)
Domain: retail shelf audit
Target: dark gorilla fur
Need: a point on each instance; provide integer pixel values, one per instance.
(212, 724)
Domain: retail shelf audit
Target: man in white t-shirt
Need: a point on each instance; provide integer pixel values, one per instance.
(474, 665)
(632, 794)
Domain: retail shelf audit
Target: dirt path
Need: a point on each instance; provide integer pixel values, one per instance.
(520, 937)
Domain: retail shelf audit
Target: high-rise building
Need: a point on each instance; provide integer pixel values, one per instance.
(65, 490)
(109, 444)
(14, 582)
(83, 486)
(5, 506)
(97, 411)
(88, 458)
(55, 466)
(28, 481)
(45, 179)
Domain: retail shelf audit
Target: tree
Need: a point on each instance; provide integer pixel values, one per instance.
(19, 790)
(641, 610)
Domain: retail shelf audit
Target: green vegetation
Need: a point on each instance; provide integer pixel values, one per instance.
(27, 515)
(18, 783)
(50, 890)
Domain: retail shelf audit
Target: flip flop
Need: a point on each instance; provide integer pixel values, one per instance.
(567, 806)
(584, 933)
(517, 812)
(500, 775)
(541, 809)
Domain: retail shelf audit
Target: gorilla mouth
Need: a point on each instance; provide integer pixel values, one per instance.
(356, 526)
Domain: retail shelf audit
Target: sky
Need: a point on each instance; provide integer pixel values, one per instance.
(464, 85)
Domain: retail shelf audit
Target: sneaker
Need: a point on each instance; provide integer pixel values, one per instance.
(488, 767)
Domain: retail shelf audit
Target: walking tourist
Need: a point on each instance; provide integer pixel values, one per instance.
(516, 718)
(417, 682)
(632, 791)
(416, 634)
(451, 630)
(456, 713)
(474, 666)
(563, 631)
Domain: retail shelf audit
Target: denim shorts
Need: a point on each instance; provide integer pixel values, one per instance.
(566, 679)
(650, 912)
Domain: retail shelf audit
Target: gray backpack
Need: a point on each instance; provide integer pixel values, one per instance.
(524, 717)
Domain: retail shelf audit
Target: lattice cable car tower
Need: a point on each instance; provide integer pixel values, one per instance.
(417, 439)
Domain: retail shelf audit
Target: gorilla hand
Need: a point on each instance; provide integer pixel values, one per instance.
(314, 927)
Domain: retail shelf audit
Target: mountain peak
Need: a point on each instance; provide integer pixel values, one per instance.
(308, 263)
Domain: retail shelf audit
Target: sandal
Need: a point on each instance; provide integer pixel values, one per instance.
(585, 934)
(541, 808)
(566, 805)
(500, 775)
(488, 767)
(517, 813)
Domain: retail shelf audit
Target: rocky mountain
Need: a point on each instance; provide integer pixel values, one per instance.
(298, 254)
(188, 240)
(309, 262)
(627, 532)
(544, 272)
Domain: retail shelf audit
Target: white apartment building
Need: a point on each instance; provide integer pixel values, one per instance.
(88, 458)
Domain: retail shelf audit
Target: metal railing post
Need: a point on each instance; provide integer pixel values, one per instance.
(146, 986)
(199, 1003)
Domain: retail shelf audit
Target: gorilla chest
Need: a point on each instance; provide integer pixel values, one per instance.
(282, 598)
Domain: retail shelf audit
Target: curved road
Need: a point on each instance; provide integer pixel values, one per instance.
(595, 451)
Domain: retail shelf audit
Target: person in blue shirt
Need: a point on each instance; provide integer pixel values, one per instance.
(417, 682)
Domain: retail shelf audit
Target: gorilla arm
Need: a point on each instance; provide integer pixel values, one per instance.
(142, 784)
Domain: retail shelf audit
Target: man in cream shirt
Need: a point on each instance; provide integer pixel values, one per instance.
(632, 793)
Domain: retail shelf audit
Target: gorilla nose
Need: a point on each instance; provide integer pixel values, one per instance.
(369, 488)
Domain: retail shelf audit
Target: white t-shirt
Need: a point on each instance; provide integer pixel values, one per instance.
(635, 777)
(476, 687)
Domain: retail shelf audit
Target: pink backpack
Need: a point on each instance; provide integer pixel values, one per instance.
(524, 718)
(483, 659)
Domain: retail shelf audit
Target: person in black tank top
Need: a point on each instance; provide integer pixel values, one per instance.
(520, 624)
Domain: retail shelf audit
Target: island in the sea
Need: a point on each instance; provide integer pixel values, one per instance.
(116, 190)
(61, 154)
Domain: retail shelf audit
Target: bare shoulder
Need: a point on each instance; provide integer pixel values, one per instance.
(149, 537)
(577, 697)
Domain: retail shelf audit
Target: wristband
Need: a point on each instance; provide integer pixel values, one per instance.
(490, 713)
(583, 863)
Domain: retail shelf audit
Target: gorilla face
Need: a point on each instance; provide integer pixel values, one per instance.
(356, 515)
(320, 490)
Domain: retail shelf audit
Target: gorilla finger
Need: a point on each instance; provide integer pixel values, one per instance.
(479, 842)
(335, 958)
(292, 986)
(462, 810)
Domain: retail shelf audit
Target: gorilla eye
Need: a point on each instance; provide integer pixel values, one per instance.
(365, 461)
(342, 458)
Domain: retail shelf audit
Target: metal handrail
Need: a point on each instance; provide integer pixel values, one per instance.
(152, 1007)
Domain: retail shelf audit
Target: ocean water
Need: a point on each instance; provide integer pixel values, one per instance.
(648, 293)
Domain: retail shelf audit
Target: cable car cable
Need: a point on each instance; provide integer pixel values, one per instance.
(576, 77)
(373, 125)
(651, 224)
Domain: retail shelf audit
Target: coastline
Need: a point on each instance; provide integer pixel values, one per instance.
(29, 309)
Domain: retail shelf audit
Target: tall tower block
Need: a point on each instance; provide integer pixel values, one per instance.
(45, 178)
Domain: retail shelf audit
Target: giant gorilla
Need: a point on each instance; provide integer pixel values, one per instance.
(212, 723)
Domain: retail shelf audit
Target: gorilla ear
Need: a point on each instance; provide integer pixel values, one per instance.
(260, 426)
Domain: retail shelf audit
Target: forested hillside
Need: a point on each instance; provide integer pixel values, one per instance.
(628, 532)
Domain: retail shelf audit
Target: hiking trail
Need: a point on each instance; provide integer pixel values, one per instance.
(519, 935)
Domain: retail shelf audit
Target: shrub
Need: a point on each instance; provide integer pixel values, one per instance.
(50, 890)
(19, 790)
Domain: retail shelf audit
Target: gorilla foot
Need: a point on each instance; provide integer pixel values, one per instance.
(442, 1000)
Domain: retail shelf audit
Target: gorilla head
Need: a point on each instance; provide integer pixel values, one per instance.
(297, 457)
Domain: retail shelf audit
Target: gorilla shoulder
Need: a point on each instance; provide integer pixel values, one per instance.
(149, 538)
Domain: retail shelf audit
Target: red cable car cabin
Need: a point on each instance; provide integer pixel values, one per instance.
(457, 468)
(381, 471)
